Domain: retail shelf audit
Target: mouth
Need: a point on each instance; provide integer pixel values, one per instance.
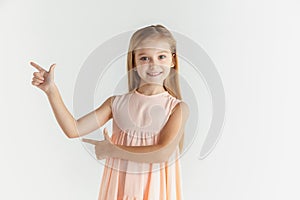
(153, 74)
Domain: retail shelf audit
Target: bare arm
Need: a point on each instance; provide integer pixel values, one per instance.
(170, 136)
(72, 128)
(76, 128)
(96, 118)
(64, 118)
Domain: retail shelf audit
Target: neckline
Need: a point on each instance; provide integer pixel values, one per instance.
(153, 95)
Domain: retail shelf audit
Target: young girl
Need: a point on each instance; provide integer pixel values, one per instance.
(148, 121)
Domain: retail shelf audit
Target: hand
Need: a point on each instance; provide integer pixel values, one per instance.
(104, 148)
(43, 79)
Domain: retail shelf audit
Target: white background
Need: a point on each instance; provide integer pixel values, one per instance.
(254, 45)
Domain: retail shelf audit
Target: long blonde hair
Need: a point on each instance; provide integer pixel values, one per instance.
(171, 83)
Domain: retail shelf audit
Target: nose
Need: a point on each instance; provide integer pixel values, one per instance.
(152, 62)
(152, 65)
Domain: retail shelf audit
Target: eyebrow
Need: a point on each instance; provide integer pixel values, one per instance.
(164, 51)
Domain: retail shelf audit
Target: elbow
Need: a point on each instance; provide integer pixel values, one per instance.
(72, 133)
(71, 136)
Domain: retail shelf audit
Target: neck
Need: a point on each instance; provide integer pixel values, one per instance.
(150, 89)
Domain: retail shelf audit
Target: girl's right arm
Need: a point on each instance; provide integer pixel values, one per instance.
(77, 128)
(71, 127)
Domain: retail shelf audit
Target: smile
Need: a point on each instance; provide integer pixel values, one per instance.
(154, 74)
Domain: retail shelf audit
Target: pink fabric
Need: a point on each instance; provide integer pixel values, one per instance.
(137, 120)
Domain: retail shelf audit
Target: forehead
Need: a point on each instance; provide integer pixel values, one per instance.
(153, 46)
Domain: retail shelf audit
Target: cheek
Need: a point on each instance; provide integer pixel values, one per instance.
(167, 68)
(141, 71)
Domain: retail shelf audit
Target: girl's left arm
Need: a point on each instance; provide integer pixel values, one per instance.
(169, 138)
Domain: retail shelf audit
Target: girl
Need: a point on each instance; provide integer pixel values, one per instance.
(148, 121)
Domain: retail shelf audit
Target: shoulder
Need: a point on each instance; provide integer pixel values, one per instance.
(117, 96)
(182, 107)
(108, 101)
(111, 99)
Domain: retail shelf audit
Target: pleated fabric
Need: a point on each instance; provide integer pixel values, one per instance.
(137, 121)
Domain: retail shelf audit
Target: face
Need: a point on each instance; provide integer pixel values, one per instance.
(154, 61)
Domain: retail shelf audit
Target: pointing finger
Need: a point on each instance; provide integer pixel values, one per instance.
(37, 66)
(94, 142)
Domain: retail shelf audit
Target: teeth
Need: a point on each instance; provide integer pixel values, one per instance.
(154, 74)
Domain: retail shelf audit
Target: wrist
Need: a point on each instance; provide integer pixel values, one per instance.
(51, 90)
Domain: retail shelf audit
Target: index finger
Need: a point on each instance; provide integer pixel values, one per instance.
(37, 66)
(94, 142)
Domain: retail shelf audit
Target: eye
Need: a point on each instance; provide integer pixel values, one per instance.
(162, 56)
(144, 58)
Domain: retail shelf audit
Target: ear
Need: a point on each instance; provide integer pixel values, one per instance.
(173, 60)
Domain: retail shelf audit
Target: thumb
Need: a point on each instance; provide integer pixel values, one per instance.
(52, 67)
(105, 133)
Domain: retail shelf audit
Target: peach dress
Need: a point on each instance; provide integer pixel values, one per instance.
(137, 120)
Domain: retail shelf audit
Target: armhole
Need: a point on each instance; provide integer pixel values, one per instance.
(173, 109)
(112, 101)
(111, 105)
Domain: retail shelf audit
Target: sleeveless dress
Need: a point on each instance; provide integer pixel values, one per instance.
(137, 120)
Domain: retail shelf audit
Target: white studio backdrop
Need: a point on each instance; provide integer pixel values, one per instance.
(254, 45)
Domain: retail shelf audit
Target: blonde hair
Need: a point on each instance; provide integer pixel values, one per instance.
(171, 83)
